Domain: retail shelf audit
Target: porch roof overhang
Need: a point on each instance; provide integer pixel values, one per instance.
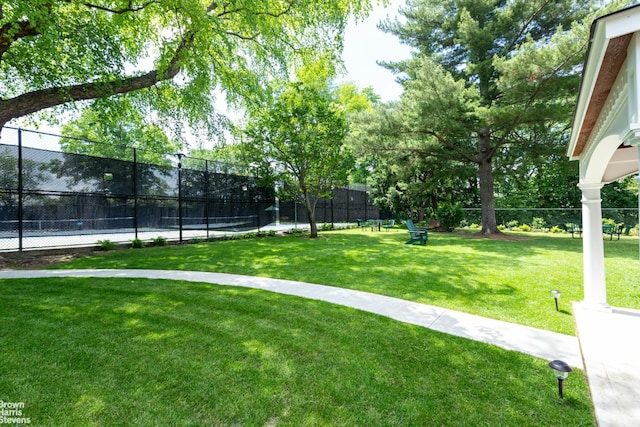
(607, 121)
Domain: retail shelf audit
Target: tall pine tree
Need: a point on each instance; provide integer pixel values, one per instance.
(483, 71)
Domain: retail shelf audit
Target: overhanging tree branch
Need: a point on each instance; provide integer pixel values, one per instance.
(14, 31)
(518, 38)
(544, 82)
(37, 100)
(437, 152)
(226, 11)
(130, 7)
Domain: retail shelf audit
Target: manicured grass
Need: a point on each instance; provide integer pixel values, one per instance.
(508, 280)
(113, 352)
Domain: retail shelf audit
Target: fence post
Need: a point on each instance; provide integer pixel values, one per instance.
(348, 199)
(206, 195)
(180, 156)
(135, 191)
(256, 195)
(20, 192)
(324, 210)
(366, 206)
(333, 195)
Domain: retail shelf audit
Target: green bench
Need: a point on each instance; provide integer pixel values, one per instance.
(612, 230)
(389, 224)
(574, 229)
(607, 230)
(416, 235)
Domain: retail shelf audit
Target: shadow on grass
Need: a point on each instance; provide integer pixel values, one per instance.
(626, 247)
(504, 279)
(92, 351)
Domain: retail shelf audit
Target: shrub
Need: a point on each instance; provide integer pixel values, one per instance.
(297, 231)
(555, 229)
(608, 221)
(326, 226)
(137, 244)
(266, 233)
(513, 224)
(525, 227)
(538, 223)
(107, 245)
(160, 241)
(501, 227)
(450, 215)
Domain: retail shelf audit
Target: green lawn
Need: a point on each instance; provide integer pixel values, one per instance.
(508, 280)
(111, 352)
(114, 352)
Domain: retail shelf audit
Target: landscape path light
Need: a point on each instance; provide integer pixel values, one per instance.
(556, 296)
(561, 370)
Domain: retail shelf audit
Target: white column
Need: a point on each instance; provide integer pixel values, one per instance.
(595, 286)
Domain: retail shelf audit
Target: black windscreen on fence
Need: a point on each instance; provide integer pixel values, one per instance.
(48, 197)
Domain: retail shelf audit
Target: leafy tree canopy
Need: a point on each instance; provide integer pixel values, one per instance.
(402, 178)
(301, 134)
(355, 100)
(169, 56)
(483, 72)
(105, 132)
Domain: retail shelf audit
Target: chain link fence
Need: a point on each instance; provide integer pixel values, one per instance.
(50, 198)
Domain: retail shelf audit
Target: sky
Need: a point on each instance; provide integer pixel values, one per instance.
(365, 44)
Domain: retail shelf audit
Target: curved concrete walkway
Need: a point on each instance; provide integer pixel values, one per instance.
(536, 342)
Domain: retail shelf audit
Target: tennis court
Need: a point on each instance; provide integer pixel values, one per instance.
(51, 199)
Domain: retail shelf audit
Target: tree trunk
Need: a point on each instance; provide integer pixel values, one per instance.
(311, 214)
(485, 173)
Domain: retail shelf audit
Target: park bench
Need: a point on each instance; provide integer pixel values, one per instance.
(416, 235)
(574, 229)
(612, 230)
(370, 223)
